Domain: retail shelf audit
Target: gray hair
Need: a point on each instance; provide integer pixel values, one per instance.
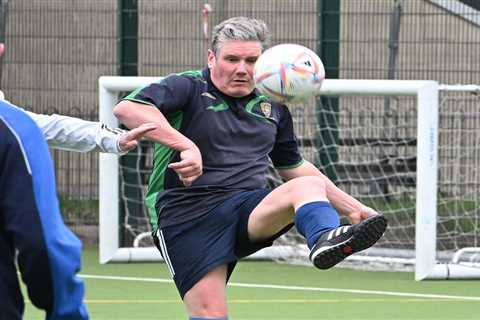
(240, 28)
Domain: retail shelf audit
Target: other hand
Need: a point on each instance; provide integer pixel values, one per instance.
(190, 166)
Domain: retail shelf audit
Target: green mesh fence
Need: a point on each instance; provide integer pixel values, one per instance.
(57, 49)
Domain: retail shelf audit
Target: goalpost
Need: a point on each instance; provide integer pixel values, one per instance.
(379, 141)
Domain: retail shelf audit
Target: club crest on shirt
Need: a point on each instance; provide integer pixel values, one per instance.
(266, 109)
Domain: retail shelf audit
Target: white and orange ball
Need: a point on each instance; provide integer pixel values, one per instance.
(289, 73)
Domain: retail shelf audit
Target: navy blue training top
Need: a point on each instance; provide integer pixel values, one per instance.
(237, 138)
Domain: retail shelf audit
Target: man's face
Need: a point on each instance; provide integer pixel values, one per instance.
(231, 69)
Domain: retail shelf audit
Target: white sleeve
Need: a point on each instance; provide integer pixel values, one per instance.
(73, 134)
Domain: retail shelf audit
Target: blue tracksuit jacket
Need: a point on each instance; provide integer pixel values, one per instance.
(32, 231)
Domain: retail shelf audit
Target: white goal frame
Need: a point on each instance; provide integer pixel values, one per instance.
(427, 97)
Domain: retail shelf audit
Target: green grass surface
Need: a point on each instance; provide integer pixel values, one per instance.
(307, 294)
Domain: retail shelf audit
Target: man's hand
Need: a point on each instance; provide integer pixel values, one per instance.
(129, 140)
(189, 167)
(361, 214)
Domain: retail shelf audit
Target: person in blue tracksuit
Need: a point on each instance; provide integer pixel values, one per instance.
(32, 232)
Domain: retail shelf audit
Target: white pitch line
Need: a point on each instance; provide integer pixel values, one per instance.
(91, 276)
(298, 288)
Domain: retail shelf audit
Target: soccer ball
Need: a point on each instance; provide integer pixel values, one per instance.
(289, 73)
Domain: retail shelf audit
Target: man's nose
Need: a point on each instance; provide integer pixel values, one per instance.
(242, 67)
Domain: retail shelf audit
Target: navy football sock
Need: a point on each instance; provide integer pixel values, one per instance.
(315, 218)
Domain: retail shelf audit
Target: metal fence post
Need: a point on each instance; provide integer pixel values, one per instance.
(328, 35)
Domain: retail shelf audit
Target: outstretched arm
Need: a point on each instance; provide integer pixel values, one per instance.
(74, 134)
(345, 204)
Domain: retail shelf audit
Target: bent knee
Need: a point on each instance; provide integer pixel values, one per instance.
(207, 298)
(209, 306)
(307, 189)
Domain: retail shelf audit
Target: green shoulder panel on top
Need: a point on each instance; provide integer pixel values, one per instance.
(131, 96)
(156, 183)
(197, 74)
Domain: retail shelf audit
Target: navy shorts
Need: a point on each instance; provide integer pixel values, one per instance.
(194, 248)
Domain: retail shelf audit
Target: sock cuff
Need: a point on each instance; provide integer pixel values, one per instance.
(314, 204)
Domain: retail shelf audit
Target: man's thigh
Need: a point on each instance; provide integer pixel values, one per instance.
(245, 244)
(277, 209)
(271, 215)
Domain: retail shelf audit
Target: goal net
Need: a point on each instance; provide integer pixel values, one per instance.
(409, 149)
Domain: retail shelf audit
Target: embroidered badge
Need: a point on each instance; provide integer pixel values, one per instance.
(266, 109)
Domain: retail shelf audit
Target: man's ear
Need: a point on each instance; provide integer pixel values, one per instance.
(210, 58)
